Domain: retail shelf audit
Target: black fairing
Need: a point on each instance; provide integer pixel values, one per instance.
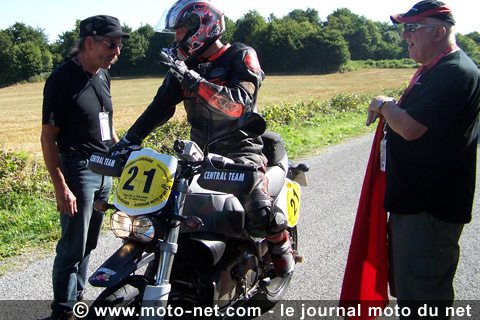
(221, 213)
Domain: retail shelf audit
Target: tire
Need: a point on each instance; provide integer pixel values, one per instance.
(276, 290)
(127, 295)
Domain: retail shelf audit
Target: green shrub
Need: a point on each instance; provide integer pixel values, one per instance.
(162, 139)
(21, 175)
(346, 102)
(300, 112)
(27, 210)
(353, 65)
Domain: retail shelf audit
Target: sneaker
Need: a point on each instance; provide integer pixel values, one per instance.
(283, 257)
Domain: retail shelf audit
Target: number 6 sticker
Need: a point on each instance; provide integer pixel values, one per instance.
(146, 182)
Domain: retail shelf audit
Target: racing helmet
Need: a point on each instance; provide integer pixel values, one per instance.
(205, 24)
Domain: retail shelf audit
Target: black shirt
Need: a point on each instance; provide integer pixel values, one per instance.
(436, 173)
(73, 100)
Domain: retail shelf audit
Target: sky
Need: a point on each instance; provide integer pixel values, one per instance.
(58, 16)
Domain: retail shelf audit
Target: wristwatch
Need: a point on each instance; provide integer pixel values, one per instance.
(381, 103)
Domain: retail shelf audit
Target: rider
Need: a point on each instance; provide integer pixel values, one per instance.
(217, 83)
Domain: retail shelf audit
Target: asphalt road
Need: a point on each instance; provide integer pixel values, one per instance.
(328, 212)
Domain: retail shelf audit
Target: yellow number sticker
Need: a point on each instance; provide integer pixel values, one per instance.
(146, 182)
(293, 203)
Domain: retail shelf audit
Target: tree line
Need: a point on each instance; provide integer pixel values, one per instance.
(298, 43)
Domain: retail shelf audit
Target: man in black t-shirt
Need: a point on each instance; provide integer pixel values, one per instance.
(76, 121)
(431, 150)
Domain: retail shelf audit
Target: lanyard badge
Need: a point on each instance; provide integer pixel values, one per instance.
(383, 150)
(104, 126)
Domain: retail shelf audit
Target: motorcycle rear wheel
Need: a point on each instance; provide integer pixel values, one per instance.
(276, 290)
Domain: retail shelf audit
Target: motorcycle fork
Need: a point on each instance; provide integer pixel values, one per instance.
(156, 296)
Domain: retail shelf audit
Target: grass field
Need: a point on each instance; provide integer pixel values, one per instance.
(21, 105)
(28, 218)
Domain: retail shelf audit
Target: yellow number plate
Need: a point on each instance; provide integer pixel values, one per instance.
(146, 182)
(293, 203)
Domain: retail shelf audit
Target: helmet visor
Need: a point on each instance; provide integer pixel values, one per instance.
(167, 21)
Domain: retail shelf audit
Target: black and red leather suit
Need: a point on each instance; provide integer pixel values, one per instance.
(229, 84)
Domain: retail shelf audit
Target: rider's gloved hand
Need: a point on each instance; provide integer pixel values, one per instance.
(127, 140)
(188, 78)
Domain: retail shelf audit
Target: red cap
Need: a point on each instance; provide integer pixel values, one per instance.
(424, 9)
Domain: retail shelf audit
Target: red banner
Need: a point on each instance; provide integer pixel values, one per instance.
(365, 283)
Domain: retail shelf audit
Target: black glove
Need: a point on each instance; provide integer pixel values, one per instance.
(125, 142)
(188, 78)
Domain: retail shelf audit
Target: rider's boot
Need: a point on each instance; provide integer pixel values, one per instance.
(281, 252)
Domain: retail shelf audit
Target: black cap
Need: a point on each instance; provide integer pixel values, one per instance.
(424, 9)
(102, 25)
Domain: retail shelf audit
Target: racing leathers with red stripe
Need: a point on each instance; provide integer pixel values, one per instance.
(228, 86)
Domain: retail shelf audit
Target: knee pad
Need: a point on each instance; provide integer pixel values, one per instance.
(278, 222)
(263, 222)
(256, 222)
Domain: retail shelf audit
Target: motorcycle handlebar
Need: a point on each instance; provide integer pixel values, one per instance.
(112, 164)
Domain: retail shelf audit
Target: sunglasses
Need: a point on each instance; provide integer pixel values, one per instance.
(412, 27)
(113, 45)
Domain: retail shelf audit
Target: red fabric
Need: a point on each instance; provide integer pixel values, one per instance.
(442, 10)
(219, 101)
(251, 61)
(365, 281)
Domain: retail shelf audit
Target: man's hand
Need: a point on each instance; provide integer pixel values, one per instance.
(372, 113)
(178, 68)
(66, 201)
(188, 78)
(126, 141)
(374, 109)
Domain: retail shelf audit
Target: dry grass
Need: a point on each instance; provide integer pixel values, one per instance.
(21, 106)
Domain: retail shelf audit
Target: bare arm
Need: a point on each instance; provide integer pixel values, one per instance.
(66, 201)
(397, 118)
(114, 136)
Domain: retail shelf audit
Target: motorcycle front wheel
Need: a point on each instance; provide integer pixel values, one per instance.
(121, 302)
(276, 290)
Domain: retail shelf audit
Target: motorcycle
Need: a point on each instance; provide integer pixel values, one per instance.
(185, 251)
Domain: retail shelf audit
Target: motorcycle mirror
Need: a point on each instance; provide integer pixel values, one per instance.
(252, 123)
(102, 205)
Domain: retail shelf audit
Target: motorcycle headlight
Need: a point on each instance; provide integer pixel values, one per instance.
(121, 224)
(143, 229)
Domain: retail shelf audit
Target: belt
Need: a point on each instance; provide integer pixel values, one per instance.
(72, 152)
